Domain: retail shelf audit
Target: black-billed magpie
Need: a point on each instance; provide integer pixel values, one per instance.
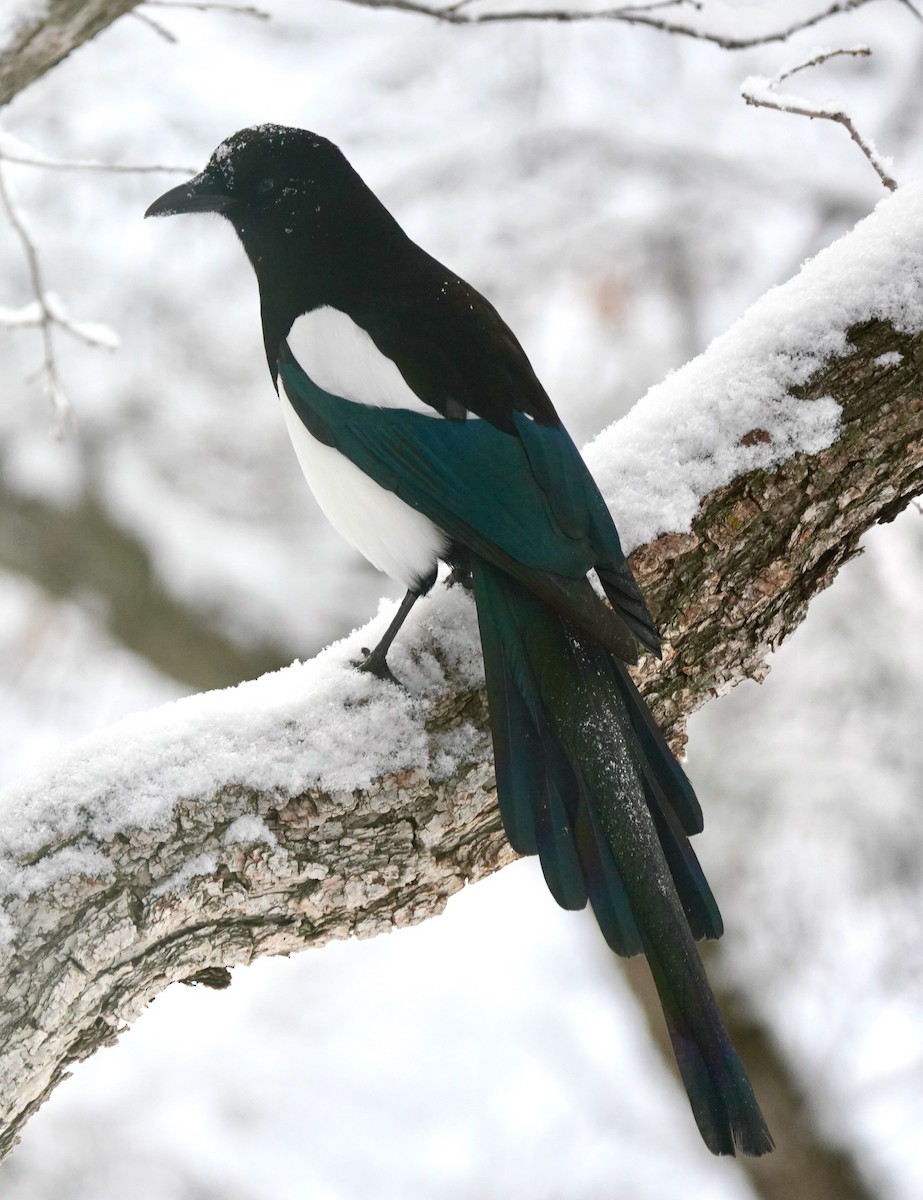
(425, 436)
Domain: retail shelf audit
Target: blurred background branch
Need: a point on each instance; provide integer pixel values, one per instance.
(80, 551)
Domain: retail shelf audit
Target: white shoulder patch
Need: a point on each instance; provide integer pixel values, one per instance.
(340, 357)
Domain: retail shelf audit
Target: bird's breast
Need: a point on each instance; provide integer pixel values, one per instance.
(394, 537)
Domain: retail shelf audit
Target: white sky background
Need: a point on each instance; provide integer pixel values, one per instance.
(607, 188)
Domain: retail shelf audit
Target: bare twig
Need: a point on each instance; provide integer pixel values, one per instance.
(759, 92)
(628, 14)
(160, 30)
(80, 164)
(452, 14)
(241, 10)
(13, 149)
(821, 57)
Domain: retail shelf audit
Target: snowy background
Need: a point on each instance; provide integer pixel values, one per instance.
(609, 190)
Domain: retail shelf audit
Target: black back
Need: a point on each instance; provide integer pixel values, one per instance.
(317, 235)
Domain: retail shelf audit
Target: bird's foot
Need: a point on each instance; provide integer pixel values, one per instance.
(377, 664)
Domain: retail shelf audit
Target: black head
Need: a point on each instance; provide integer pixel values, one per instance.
(310, 226)
(289, 193)
(261, 172)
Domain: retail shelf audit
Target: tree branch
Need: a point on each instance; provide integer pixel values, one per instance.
(47, 35)
(628, 14)
(47, 313)
(239, 10)
(319, 803)
(760, 93)
(41, 314)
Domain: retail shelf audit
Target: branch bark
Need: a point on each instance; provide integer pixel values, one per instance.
(42, 39)
(731, 590)
(319, 803)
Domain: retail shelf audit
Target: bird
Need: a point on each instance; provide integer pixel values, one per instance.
(427, 438)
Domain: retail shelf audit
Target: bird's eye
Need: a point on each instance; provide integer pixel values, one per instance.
(265, 186)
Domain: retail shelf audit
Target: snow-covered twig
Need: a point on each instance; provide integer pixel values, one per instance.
(637, 14)
(761, 93)
(34, 314)
(45, 312)
(91, 333)
(44, 317)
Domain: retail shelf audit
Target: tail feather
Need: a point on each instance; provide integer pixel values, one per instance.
(557, 849)
(625, 597)
(611, 903)
(661, 759)
(695, 895)
(608, 809)
(720, 1095)
(529, 787)
(517, 748)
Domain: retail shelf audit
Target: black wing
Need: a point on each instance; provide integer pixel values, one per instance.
(451, 345)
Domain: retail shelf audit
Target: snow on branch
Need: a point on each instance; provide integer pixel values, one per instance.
(630, 14)
(318, 802)
(762, 93)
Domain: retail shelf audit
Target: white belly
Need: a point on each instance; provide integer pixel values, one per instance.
(394, 537)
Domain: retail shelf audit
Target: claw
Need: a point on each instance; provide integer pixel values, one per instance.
(377, 664)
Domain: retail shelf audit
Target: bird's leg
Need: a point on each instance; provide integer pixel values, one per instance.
(376, 661)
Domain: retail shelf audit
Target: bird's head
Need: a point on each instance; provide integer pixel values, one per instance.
(266, 173)
(309, 225)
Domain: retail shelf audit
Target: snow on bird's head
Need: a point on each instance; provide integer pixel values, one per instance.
(261, 152)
